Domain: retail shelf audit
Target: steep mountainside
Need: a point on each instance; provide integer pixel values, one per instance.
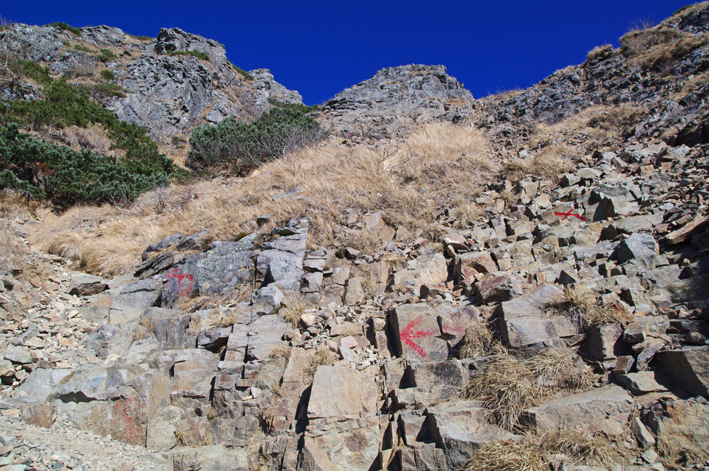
(518, 282)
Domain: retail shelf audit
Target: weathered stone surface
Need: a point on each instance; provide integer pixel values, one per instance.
(585, 410)
(496, 289)
(267, 300)
(354, 293)
(162, 244)
(642, 383)
(155, 265)
(640, 248)
(17, 354)
(86, 285)
(417, 334)
(605, 342)
(351, 450)
(214, 458)
(522, 321)
(133, 299)
(41, 415)
(461, 428)
(339, 391)
(682, 425)
(482, 262)
(688, 367)
(686, 231)
(429, 269)
(264, 335)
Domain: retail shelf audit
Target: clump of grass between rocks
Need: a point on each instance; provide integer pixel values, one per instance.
(323, 356)
(477, 341)
(510, 385)
(534, 453)
(595, 313)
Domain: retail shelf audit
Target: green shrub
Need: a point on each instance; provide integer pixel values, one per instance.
(140, 38)
(67, 177)
(108, 74)
(241, 71)
(197, 54)
(243, 146)
(35, 71)
(106, 55)
(100, 91)
(294, 106)
(81, 48)
(66, 27)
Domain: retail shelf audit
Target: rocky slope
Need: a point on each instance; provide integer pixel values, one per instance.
(167, 89)
(574, 307)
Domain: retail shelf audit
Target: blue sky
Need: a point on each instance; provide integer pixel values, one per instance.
(322, 47)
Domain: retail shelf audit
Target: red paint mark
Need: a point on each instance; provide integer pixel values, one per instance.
(408, 334)
(173, 275)
(122, 409)
(570, 213)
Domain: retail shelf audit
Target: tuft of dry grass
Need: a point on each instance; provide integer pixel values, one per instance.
(510, 385)
(292, 310)
(554, 160)
(600, 52)
(595, 313)
(477, 341)
(145, 329)
(550, 451)
(323, 356)
(516, 170)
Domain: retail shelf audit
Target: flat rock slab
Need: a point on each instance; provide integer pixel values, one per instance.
(134, 299)
(643, 382)
(497, 289)
(349, 450)
(682, 425)
(463, 428)
(522, 321)
(586, 410)
(86, 285)
(429, 269)
(264, 335)
(339, 391)
(417, 330)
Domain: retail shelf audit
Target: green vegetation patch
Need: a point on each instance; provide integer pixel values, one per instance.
(294, 106)
(243, 146)
(241, 71)
(197, 54)
(106, 55)
(107, 74)
(67, 177)
(82, 48)
(66, 27)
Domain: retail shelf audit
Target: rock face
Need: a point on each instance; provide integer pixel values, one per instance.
(167, 90)
(394, 99)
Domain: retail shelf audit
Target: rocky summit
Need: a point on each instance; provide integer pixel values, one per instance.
(519, 281)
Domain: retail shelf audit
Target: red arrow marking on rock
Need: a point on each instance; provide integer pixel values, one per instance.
(570, 213)
(408, 334)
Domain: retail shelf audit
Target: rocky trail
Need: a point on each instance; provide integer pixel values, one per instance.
(564, 325)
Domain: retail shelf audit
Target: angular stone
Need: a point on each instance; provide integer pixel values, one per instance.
(134, 299)
(312, 282)
(341, 392)
(461, 427)
(641, 248)
(641, 383)
(374, 224)
(623, 364)
(496, 289)
(154, 265)
(482, 262)
(41, 415)
(523, 322)
(682, 425)
(642, 434)
(429, 269)
(267, 300)
(687, 231)
(454, 322)
(264, 335)
(17, 354)
(192, 242)
(585, 410)
(688, 367)
(86, 285)
(354, 293)
(604, 342)
(162, 245)
(417, 334)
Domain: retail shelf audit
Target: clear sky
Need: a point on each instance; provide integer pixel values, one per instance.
(322, 47)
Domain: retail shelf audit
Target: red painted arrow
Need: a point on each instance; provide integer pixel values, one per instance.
(408, 334)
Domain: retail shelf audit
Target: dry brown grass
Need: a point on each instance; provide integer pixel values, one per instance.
(600, 52)
(292, 310)
(510, 385)
(595, 313)
(477, 341)
(550, 451)
(436, 162)
(554, 160)
(323, 356)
